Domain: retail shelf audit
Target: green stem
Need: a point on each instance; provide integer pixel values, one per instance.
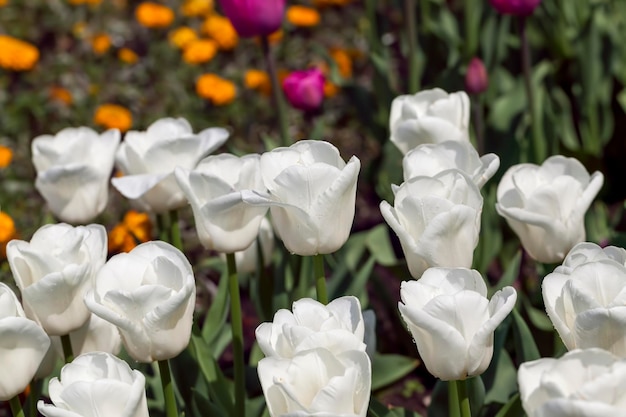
(538, 144)
(163, 223)
(320, 278)
(277, 92)
(464, 404)
(68, 354)
(168, 389)
(16, 407)
(237, 330)
(453, 400)
(175, 231)
(411, 33)
(477, 107)
(471, 12)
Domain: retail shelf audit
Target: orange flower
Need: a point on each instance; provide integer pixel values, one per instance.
(101, 43)
(17, 55)
(112, 116)
(194, 8)
(154, 15)
(302, 16)
(215, 89)
(7, 232)
(199, 51)
(343, 61)
(182, 36)
(330, 89)
(258, 80)
(6, 156)
(127, 55)
(61, 95)
(4, 2)
(221, 30)
(135, 228)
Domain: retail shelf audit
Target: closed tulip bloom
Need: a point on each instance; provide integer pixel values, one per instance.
(149, 294)
(430, 116)
(147, 161)
(430, 159)
(223, 221)
(312, 194)
(254, 17)
(545, 205)
(96, 335)
(305, 89)
(437, 220)
(73, 171)
(515, 7)
(585, 252)
(317, 382)
(476, 79)
(23, 345)
(452, 321)
(582, 383)
(96, 384)
(336, 327)
(586, 305)
(54, 271)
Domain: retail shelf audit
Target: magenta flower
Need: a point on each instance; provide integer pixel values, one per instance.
(515, 7)
(305, 89)
(476, 79)
(254, 17)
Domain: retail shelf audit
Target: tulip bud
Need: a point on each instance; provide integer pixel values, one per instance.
(254, 17)
(515, 7)
(305, 89)
(476, 79)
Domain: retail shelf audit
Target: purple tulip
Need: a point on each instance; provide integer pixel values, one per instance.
(254, 17)
(305, 89)
(476, 80)
(515, 7)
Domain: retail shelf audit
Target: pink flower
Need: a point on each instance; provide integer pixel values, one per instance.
(515, 7)
(254, 17)
(476, 80)
(305, 89)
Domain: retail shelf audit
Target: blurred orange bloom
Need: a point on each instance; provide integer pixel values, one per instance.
(258, 80)
(330, 89)
(17, 55)
(216, 89)
(113, 116)
(302, 16)
(101, 43)
(7, 232)
(221, 30)
(6, 156)
(61, 95)
(343, 61)
(127, 55)
(194, 8)
(182, 36)
(199, 51)
(154, 15)
(135, 228)
(4, 2)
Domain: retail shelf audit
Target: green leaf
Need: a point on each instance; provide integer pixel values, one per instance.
(510, 274)
(387, 369)
(525, 346)
(379, 245)
(218, 312)
(512, 409)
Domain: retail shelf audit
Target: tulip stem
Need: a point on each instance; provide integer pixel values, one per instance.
(168, 389)
(320, 278)
(277, 91)
(16, 407)
(411, 34)
(163, 225)
(68, 354)
(237, 330)
(464, 404)
(175, 231)
(453, 400)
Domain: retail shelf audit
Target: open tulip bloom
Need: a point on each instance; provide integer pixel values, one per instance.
(452, 321)
(73, 171)
(586, 252)
(546, 205)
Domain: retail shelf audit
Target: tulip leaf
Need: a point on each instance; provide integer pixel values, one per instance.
(512, 409)
(538, 318)
(377, 409)
(387, 369)
(379, 245)
(475, 391)
(525, 346)
(201, 406)
(505, 381)
(218, 312)
(510, 274)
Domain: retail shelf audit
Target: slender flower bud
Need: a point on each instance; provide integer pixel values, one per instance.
(254, 17)
(476, 79)
(515, 7)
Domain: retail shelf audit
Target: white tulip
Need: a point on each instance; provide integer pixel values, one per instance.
(23, 345)
(312, 194)
(149, 294)
(587, 305)
(317, 383)
(96, 384)
(337, 327)
(247, 260)
(452, 321)
(73, 171)
(96, 335)
(583, 383)
(436, 219)
(429, 160)
(585, 252)
(148, 159)
(430, 116)
(54, 271)
(545, 205)
(223, 221)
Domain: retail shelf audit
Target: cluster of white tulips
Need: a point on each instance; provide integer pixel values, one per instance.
(317, 356)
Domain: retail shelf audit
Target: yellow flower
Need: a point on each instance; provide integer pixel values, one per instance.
(61, 95)
(258, 80)
(194, 8)
(7, 232)
(127, 55)
(17, 55)
(154, 15)
(6, 156)
(112, 116)
(302, 16)
(135, 228)
(199, 51)
(78, 30)
(215, 89)
(221, 30)
(182, 36)
(101, 43)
